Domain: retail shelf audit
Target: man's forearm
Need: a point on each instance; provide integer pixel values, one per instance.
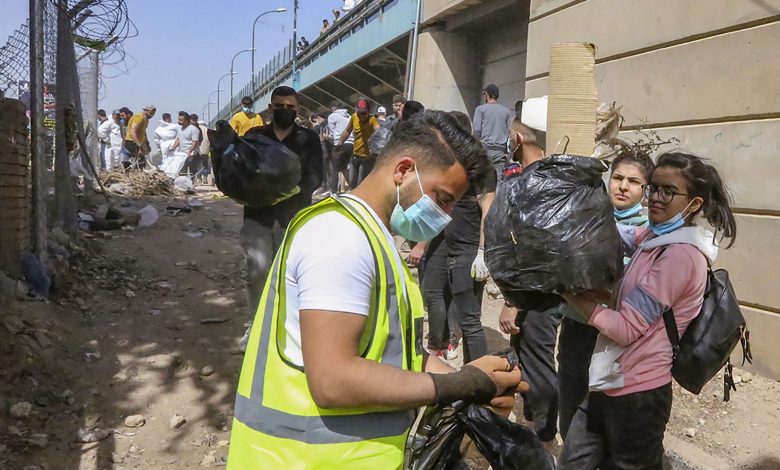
(361, 383)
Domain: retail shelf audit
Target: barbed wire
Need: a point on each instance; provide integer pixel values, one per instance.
(101, 25)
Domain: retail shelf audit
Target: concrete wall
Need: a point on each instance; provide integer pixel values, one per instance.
(704, 71)
(464, 46)
(14, 186)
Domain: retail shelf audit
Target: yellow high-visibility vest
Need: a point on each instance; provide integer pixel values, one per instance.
(277, 424)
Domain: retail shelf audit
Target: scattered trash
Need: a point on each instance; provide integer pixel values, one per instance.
(194, 234)
(213, 321)
(206, 371)
(155, 311)
(177, 421)
(690, 432)
(174, 210)
(20, 410)
(195, 203)
(120, 188)
(135, 421)
(184, 184)
(93, 435)
(148, 216)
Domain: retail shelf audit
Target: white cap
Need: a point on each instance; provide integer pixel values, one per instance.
(381, 110)
(534, 113)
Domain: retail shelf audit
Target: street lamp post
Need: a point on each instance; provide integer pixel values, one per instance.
(295, 44)
(232, 61)
(211, 102)
(278, 10)
(220, 89)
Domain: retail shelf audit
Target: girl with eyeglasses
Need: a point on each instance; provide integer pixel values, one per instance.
(622, 422)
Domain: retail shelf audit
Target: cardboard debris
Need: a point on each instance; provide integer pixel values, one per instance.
(573, 99)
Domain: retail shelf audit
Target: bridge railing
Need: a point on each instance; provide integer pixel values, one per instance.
(279, 68)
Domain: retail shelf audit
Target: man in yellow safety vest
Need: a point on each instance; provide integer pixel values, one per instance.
(334, 368)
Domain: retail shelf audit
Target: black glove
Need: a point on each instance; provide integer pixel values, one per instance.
(469, 383)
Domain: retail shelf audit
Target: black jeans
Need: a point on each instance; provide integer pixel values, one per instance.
(452, 298)
(339, 162)
(625, 432)
(575, 347)
(360, 168)
(535, 346)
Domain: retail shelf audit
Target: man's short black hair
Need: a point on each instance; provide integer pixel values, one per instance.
(194, 117)
(125, 109)
(184, 114)
(437, 138)
(284, 91)
(399, 99)
(463, 119)
(166, 116)
(638, 157)
(102, 112)
(247, 99)
(411, 108)
(336, 104)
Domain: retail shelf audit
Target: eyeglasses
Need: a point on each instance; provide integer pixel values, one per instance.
(665, 193)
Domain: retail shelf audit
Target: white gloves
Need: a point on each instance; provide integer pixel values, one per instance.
(479, 270)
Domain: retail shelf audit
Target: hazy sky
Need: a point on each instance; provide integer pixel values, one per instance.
(184, 46)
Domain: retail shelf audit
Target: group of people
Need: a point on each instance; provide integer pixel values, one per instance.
(335, 362)
(183, 147)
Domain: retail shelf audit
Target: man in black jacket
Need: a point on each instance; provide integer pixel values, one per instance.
(264, 227)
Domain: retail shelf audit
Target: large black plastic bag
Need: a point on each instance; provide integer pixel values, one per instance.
(504, 444)
(551, 230)
(253, 169)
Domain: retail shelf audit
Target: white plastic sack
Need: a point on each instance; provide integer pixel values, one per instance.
(173, 164)
(148, 216)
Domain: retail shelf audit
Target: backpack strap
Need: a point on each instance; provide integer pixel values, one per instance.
(671, 331)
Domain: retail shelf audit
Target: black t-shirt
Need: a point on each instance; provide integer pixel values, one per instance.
(305, 143)
(462, 234)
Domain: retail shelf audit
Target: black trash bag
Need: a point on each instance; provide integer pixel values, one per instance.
(551, 230)
(504, 444)
(253, 170)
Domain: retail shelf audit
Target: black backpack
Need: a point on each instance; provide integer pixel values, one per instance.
(708, 341)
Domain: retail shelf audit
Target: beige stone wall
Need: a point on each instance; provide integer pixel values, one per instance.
(705, 71)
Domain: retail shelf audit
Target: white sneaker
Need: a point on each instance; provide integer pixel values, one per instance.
(452, 352)
(244, 341)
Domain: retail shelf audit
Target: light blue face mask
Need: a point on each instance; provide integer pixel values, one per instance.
(421, 221)
(630, 212)
(670, 225)
(246, 109)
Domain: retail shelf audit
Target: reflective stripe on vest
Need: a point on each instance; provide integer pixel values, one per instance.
(328, 428)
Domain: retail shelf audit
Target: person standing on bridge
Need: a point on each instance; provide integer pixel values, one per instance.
(335, 367)
(491, 127)
(245, 119)
(263, 228)
(362, 125)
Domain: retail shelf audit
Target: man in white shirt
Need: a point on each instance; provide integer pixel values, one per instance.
(329, 264)
(338, 120)
(184, 146)
(110, 133)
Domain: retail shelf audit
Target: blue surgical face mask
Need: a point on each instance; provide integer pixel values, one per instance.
(670, 225)
(246, 109)
(630, 212)
(421, 221)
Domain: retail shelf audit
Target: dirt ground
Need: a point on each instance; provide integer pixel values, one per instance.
(145, 323)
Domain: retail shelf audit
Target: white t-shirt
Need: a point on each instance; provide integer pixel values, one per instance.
(330, 267)
(186, 136)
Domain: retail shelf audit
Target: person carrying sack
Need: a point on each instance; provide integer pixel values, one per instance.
(622, 422)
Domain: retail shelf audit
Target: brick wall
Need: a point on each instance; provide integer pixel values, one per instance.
(14, 186)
